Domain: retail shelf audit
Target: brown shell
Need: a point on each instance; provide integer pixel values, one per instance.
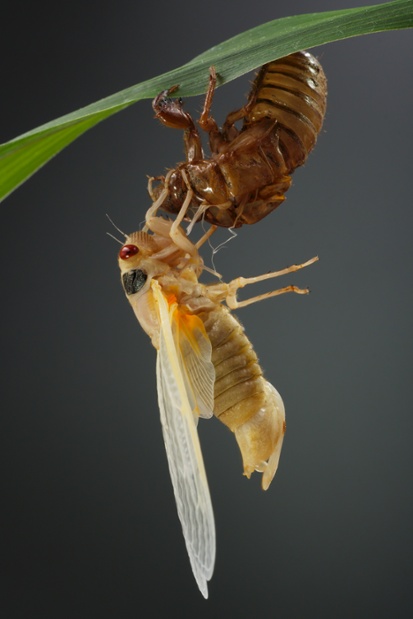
(249, 170)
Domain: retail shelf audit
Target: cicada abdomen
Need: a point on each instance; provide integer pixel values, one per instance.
(292, 91)
(243, 400)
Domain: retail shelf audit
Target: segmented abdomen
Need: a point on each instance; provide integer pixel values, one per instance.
(239, 383)
(292, 91)
(243, 400)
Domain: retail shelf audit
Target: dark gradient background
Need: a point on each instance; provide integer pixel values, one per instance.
(89, 527)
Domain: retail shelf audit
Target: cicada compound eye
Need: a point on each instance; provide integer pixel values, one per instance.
(128, 251)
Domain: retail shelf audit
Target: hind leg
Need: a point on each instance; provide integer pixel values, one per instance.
(228, 292)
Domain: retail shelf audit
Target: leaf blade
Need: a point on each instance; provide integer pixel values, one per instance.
(24, 155)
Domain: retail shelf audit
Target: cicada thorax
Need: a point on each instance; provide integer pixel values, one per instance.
(243, 400)
(235, 187)
(293, 92)
(204, 178)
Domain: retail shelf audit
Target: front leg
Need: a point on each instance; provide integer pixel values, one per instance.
(172, 229)
(170, 112)
(169, 230)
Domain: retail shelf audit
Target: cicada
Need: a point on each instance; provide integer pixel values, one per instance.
(249, 170)
(205, 366)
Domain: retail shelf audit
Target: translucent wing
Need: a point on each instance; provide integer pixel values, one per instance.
(183, 450)
(195, 351)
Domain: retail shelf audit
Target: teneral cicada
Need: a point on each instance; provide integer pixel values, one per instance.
(249, 170)
(205, 366)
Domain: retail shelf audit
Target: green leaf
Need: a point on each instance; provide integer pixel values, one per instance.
(21, 157)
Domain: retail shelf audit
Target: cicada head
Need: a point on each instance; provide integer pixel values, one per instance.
(135, 262)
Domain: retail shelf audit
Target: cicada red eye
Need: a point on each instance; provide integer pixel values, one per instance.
(127, 251)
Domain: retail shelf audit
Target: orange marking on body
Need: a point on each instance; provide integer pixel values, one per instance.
(190, 326)
(171, 299)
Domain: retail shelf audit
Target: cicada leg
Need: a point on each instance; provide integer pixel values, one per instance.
(217, 137)
(229, 291)
(151, 179)
(206, 121)
(241, 282)
(152, 210)
(205, 236)
(171, 113)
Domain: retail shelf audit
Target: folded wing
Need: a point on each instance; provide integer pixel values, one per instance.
(186, 467)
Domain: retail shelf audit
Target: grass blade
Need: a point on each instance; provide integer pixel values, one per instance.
(24, 155)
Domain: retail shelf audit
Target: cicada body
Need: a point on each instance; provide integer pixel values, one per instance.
(205, 366)
(249, 170)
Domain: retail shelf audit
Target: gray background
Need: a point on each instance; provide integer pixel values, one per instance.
(89, 527)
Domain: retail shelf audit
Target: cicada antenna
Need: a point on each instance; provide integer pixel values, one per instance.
(116, 228)
(114, 238)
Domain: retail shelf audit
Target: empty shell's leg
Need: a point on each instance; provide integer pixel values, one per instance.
(206, 121)
(170, 112)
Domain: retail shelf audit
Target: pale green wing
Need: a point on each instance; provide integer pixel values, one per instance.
(183, 451)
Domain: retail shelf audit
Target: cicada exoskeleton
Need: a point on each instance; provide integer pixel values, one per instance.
(249, 170)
